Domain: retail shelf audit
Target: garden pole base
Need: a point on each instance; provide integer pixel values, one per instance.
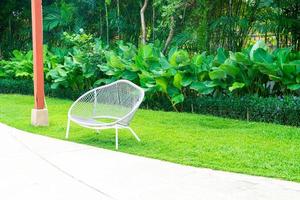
(39, 117)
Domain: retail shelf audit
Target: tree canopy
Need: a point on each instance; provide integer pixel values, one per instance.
(196, 25)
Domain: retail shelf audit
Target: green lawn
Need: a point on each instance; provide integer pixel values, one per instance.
(190, 139)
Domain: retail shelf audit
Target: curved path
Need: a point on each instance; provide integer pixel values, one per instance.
(35, 167)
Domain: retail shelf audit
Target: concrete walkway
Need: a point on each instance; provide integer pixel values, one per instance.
(34, 167)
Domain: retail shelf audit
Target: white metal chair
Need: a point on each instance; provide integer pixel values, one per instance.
(105, 107)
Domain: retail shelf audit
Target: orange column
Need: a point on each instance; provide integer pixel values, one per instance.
(37, 39)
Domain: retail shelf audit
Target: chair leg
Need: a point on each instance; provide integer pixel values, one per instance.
(68, 129)
(134, 134)
(117, 142)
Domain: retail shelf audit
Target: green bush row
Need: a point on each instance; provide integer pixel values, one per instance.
(12, 86)
(253, 108)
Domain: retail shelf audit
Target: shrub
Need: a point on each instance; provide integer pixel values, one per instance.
(251, 107)
(12, 86)
(82, 62)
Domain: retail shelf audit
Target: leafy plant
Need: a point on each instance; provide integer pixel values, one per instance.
(83, 62)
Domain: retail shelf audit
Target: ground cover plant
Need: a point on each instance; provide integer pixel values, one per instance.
(185, 138)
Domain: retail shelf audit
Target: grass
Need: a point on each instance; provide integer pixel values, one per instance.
(190, 139)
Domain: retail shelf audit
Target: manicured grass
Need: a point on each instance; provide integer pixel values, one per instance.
(190, 139)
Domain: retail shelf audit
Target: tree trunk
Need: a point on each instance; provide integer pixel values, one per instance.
(107, 24)
(143, 23)
(10, 40)
(231, 36)
(170, 36)
(100, 24)
(153, 21)
(118, 10)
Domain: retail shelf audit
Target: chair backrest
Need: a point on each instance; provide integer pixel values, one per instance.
(118, 101)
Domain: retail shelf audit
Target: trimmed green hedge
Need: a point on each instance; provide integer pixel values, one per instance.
(272, 109)
(16, 86)
(25, 87)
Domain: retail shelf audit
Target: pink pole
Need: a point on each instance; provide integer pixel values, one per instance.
(38, 68)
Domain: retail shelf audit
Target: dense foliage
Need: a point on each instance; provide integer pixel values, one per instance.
(197, 25)
(83, 62)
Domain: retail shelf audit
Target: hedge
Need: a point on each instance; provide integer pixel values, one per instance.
(281, 110)
(10, 86)
(253, 108)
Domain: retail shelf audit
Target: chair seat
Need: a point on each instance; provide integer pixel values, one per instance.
(89, 121)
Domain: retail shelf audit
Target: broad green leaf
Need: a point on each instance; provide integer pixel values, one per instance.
(258, 45)
(287, 81)
(155, 67)
(282, 55)
(128, 75)
(217, 74)
(186, 80)
(116, 62)
(197, 60)
(262, 56)
(110, 73)
(18, 55)
(172, 51)
(180, 58)
(23, 74)
(173, 91)
(268, 69)
(217, 83)
(236, 85)
(147, 51)
(53, 74)
(2, 74)
(241, 58)
(230, 68)
(162, 83)
(177, 99)
(178, 80)
(164, 63)
(146, 80)
(99, 82)
(61, 71)
(202, 88)
(54, 85)
(289, 68)
(221, 56)
(294, 87)
(104, 68)
(170, 72)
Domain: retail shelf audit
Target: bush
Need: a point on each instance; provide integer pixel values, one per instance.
(8, 86)
(82, 62)
(253, 108)
(12, 86)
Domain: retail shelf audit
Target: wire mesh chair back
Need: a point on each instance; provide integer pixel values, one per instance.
(116, 102)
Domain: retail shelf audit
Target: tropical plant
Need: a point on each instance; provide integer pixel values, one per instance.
(83, 62)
